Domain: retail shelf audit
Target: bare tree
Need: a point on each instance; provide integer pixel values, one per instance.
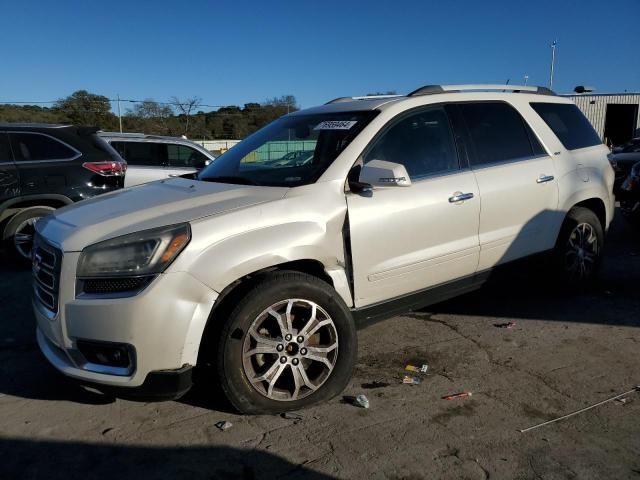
(157, 114)
(185, 107)
(284, 101)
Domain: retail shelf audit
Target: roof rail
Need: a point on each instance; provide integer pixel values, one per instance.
(433, 89)
(363, 97)
(121, 134)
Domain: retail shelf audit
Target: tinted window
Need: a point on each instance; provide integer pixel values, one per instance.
(183, 156)
(33, 146)
(569, 124)
(5, 151)
(498, 133)
(142, 153)
(422, 142)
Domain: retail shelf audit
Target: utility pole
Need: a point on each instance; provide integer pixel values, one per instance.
(119, 114)
(553, 62)
(526, 79)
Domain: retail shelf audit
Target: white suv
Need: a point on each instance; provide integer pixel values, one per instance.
(154, 157)
(262, 268)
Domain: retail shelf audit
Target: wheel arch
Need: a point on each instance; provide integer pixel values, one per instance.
(234, 291)
(597, 206)
(15, 205)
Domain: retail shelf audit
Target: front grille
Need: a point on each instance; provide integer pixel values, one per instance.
(46, 273)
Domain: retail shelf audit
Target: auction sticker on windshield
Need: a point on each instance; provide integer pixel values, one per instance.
(336, 125)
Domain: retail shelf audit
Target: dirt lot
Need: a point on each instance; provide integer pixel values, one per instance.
(563, 354)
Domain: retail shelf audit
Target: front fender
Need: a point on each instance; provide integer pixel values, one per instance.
(221, 264)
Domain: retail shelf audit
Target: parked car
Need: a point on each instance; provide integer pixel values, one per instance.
(622, 158)
(630, 195)
(263, 272)
(153, 157)
(44, 167)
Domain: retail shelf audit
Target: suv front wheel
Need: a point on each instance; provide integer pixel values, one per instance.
(289, 343)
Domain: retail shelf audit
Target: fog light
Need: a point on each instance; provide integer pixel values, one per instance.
(107, 354)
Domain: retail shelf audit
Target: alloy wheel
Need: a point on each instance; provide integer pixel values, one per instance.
(23, 237)
(290, 350)
(582, 251)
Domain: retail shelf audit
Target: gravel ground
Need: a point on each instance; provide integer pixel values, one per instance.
(564, 353)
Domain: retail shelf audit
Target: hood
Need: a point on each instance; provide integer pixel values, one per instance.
(150, 205)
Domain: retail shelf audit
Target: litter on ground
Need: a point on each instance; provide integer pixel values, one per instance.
(411, 380)
(412, 368)
(453, 396)
(361, 401)
(224, 425)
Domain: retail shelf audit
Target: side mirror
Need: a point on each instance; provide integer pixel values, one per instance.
(380, 173)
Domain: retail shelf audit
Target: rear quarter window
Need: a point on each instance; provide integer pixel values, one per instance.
(35, 146)
(568, 123)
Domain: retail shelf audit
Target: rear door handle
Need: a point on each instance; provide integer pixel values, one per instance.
(460, 197)
(544, 178)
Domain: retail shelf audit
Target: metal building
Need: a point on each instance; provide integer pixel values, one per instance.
(615, 116)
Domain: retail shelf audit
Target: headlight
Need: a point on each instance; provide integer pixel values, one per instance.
(141, 253)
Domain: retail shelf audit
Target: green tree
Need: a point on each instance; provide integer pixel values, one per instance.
(84, 108)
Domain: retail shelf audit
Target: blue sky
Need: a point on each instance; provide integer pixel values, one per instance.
(237, 52)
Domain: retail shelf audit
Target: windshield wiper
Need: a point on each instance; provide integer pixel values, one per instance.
(229, 179)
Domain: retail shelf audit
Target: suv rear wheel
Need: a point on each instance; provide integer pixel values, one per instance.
(579, 248)
(289, 343)
(19, 231)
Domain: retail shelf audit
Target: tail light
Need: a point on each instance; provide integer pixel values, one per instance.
(107, 169)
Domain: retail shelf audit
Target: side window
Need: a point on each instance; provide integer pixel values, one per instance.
(5, 151)
(569, 124)
(183, 156)
(498, 133)
(422, 142)
(145, 154)
(33, 146)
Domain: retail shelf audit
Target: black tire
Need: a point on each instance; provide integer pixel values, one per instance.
(272, 288)
(571, 275)
(21, 252)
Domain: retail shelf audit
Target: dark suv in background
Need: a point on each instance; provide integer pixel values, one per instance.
(44, 167)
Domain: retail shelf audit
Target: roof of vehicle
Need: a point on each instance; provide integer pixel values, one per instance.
(143, 137)
(33, 125)
(134, 135)
(373, 102)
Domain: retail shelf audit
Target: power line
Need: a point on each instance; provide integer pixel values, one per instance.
(114, 100)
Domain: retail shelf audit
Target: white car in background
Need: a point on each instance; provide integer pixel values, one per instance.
(154, 157)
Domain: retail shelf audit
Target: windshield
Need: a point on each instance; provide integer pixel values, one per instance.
(292, 151)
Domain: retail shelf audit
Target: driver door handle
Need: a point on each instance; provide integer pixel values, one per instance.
(460, 197)
(544, 178)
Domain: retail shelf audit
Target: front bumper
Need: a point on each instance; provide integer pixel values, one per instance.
(158, 385)
(163, 324)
